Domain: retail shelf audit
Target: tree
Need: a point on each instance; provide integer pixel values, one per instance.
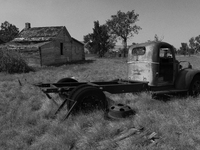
(88, 42)
(122, 25)
(157, 39)
(184, 48)
(99, 42)
(8, 31)
(194, 43)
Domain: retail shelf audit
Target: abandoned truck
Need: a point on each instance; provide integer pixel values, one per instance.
(151, 67)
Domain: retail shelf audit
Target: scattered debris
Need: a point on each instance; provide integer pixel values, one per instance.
(135, 136)
(127, 134)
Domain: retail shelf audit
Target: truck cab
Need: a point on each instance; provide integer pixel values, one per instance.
(155, 62)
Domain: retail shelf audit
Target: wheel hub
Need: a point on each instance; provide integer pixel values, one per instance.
(119, 111)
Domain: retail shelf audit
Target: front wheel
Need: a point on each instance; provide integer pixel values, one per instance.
(194, 89)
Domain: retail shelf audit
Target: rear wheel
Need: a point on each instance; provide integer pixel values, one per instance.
(194, 89)
(88, 99)
(66, 80)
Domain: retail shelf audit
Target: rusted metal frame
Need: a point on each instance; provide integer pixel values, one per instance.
(123, 81)
(103, 83)
(67, 84)
(51, 99)
(60, 84)
(52, 88)
(47, 94)
(72, 84)
(42, 85)
(122, 86)
(92, 84)
(125, 88)
(56, 90)
(116, 82)
(70, 110)
(62, 105)
(170, 91)
(112, 87)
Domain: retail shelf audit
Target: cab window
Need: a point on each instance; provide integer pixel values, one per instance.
(138, 51)
(165, 53)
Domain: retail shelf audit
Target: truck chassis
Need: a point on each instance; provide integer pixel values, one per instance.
(86, 96)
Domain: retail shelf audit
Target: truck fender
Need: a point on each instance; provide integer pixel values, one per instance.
(185, 77)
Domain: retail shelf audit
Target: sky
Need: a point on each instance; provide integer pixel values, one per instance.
(174, 21)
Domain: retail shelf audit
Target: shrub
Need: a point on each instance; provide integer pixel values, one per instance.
(12, 62)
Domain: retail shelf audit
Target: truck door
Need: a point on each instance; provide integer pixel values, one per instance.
(166, 66)
(140, 65)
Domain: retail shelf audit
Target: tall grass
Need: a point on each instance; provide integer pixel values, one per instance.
(12, 62)
(27, 121)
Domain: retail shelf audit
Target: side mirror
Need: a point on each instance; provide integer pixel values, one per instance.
(185, 64)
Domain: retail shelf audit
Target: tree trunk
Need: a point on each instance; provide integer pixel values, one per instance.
(125, 46)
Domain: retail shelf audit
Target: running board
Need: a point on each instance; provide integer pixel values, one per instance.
(171, 91)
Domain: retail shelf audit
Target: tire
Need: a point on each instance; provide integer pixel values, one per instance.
(88, 99)
(65, 80)
(194, 89)
(74, 91)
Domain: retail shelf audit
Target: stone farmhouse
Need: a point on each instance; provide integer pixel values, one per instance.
(47, 45)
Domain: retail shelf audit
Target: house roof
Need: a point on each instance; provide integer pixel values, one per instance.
(77, 41)
(38, 34)
(25, 47)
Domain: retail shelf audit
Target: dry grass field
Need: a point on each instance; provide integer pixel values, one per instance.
(26, 120)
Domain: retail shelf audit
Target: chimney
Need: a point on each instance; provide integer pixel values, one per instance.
(27, 25)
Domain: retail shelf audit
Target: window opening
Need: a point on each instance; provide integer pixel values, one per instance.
(138, 51)
(61, 48)
(166, 64)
